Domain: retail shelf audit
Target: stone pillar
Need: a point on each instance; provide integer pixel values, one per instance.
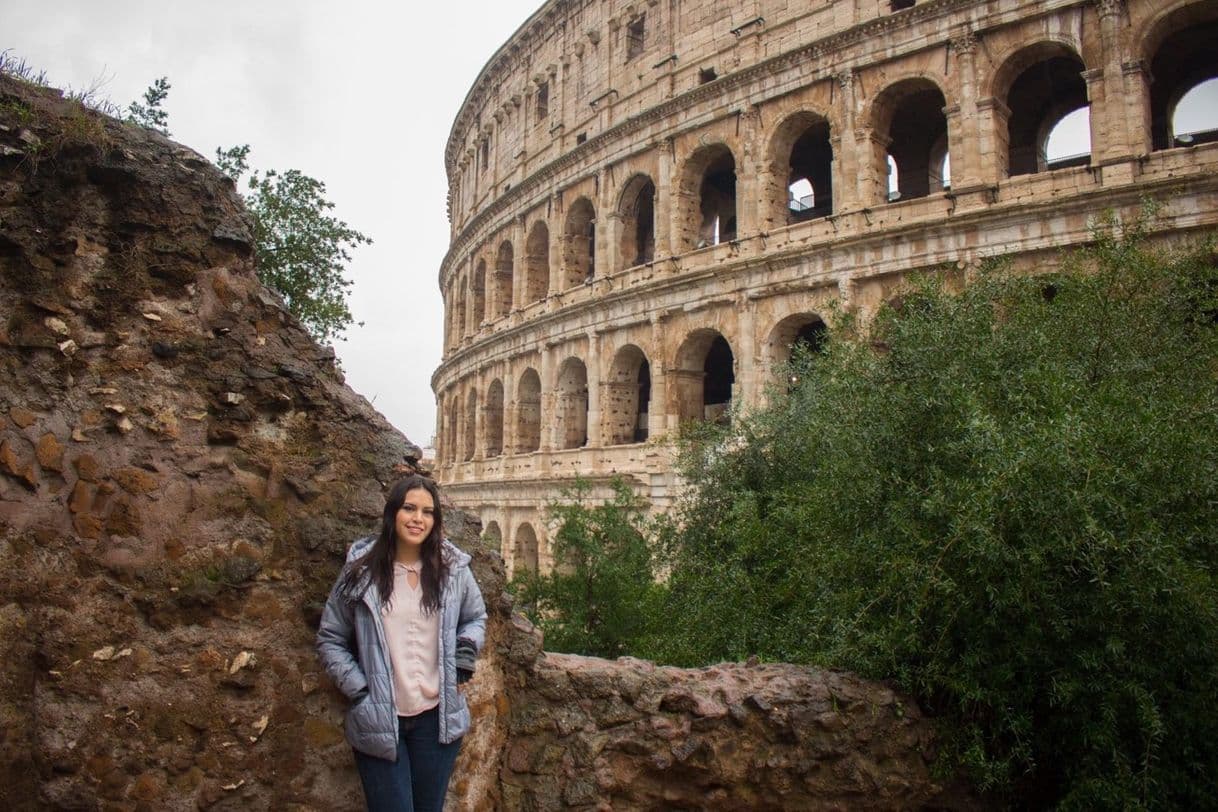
(593, 367)
(519, 260)
(1119, 117)
(658, 409)
(846, 154)
(993, 137)
(557, 246)
(510, 409)
(963, 135)
(548, 423)
(479, 384)
(747, 390)
(872, 169)
(747, 170)
(664, 200)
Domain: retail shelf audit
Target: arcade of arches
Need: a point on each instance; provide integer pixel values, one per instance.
(601, 290)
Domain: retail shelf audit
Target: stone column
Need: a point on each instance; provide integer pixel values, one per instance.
(664, 200)
(1117, 110)
(963, 136)
(593, 368)
(993, 137)
(658, 408)
(748, 386)
(548, 423)
(747, 170)
(510, 409)
(846, 154)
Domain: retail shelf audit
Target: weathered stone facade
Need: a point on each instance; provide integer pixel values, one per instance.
(630, 245)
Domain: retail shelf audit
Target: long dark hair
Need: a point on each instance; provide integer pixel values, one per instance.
(376, 565)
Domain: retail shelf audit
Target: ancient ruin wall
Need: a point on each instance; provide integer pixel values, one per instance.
(652, 202)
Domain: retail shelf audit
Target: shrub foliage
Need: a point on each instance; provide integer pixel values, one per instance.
(1003, 499)
(600, 596)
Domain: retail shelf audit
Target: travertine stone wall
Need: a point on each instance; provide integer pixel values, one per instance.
(694, 185)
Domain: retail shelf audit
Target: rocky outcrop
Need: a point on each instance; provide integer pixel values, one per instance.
(181, 468)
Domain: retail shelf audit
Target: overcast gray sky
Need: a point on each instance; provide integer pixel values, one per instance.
(358, 94)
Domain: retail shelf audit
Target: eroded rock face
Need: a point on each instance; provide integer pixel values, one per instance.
(181, 470)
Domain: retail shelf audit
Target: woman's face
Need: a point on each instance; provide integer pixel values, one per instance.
(416, 517)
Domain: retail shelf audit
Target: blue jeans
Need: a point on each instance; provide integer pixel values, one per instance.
(419, 779)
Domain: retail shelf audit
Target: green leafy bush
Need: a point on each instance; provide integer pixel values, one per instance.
(1002, 498)
(600, 597)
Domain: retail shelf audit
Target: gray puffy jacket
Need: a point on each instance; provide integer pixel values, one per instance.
(350, 644)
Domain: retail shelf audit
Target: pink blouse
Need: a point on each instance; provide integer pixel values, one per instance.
(414, 644)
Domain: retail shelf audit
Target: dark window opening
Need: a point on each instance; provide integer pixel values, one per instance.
(898, 5)
(810, 185)
(638, 224)
(640, 426)
(717, 201)
(572, 411)
(707, 75)
(581, 138)
(717, 382)
(636, 32)
(493, 418)
(1040, 98)
(1184, 63)
(484, 155)
(579, 244)
(528, 413)
(917, 143)
(543, 101)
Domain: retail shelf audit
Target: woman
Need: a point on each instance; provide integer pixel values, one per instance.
(398, 636)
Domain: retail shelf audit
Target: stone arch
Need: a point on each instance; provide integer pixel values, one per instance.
(705, 376)
(471, 424)
(492, 418)
(626, 397)
(477, 292)
(493, 536)
(524, 549)
(804, 328)
(501, 300)
(1040, 84)
(528, 412)
(537, 263)
(571, 404)
(636, 219)
(800, 158)
(579, 244)
(1179, 50)
(911, 128)
(707, 198)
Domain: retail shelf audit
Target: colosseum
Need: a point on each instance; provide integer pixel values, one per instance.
(652, 202)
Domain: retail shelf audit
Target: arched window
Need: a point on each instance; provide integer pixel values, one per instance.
(537, 263)
(803, 159)
(528, 412)
(524, 549)
(708, 198)
(910, 116)
(571, 404)
(579, 244)
(502, 298)
(705, 375)
(1045, 86)
(1184, 59)
(493, 536)
(626, 397)
(493, 419)
(636, 216)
